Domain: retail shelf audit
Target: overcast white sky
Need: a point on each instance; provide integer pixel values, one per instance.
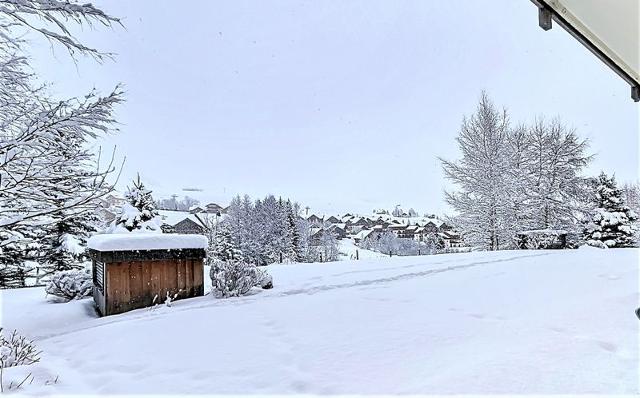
(340, 105)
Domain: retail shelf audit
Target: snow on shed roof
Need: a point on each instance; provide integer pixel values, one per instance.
(146, 241)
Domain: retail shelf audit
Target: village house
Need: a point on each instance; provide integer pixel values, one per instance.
(445, 227)
(187, 226)
(397, 229)
(113, 200)
(196, 209)
(182, 222)
(314, 220)
(364, 235)
(214, 208)
(106, 215)
(333, 220)
(431, 227)
(339, 230)
(451, 239)
(317, 235)
(358, 224)
(348, 218)
(409, 232)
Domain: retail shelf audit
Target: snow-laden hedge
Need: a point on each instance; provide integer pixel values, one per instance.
(70, 284)
(542, 239)
(236, 278)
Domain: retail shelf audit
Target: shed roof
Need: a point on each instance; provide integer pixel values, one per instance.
(146, 241)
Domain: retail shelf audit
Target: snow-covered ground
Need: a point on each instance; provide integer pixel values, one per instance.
(505, 322)
(348, 249)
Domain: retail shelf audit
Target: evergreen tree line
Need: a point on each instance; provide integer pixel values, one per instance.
(267, 231)
(514, 178)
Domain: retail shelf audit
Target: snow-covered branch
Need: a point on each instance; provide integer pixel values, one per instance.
(56, 13)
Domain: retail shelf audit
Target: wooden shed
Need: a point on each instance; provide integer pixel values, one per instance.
(138, 270)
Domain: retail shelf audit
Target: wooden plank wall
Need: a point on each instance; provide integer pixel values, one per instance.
(134, 284)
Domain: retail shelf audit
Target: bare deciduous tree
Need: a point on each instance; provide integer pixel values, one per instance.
(45, 164)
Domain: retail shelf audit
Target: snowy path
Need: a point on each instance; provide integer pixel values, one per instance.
(507, 322)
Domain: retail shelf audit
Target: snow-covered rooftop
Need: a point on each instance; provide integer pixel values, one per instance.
(172, 217)
(146, 241)
(363, 234)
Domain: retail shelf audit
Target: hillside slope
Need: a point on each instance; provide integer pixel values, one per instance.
(483, 323)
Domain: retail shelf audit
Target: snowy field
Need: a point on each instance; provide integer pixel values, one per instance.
(348, 249)
(504, 322)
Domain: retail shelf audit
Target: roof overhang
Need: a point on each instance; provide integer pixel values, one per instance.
(609, 29)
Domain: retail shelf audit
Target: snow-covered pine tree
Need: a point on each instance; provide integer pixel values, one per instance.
(245, 228)
(140, 198)
(64, 245)
(268, 240)
(225, 250)
(250, 230)
(140, 211)
(611, 223)
(13, 271)
(293, 244)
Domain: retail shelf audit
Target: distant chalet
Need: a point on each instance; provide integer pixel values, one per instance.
(195, 221)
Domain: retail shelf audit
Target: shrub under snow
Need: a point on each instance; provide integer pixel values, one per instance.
(236, 278)
(70, 284)
(17, 350)
(542, 239)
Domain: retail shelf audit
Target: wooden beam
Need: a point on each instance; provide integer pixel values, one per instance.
(545, 18)
(546, 12)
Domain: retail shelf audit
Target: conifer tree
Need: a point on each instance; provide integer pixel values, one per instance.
(611, 224)
(13, 270)
(140, 198)
(225, 250)
(140, 211)
(293, 248)
(63, 245)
